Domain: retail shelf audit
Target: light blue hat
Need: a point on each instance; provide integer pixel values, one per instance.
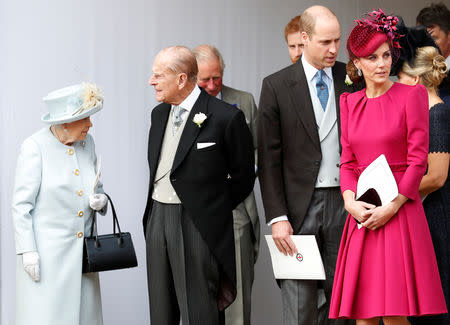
(72, 103)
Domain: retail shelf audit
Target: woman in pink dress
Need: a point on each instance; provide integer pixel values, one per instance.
(388, 267)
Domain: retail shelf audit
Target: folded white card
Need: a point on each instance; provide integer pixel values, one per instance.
(201, 145)
(306, 265)
(378, 175)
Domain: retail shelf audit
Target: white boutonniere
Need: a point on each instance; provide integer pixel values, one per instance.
(199, 118)
(348, 81)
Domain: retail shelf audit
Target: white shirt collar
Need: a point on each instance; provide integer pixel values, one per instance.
(310, 71)
(190, 100)
(447, 60)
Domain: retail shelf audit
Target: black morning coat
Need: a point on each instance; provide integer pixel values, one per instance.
(209, 182)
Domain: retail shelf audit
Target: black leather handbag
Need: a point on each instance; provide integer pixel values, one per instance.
(108, 252)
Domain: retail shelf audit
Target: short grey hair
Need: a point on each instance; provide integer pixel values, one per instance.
(180, 59)
(206, 52)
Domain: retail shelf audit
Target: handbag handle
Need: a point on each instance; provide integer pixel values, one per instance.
(115, 221)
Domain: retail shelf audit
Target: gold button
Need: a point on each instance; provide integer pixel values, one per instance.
(76, 172)
(79, 234)
(322, 87)
(80, 193)
(70, 151)
(80, 213)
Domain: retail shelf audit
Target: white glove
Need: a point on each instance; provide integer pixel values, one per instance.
(98, 201)
(31, 265)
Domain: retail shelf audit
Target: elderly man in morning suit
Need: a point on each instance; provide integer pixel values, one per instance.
(201, 161)
(246, 220)
(298, 157)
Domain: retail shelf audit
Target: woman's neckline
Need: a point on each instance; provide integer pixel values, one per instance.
(390, 87)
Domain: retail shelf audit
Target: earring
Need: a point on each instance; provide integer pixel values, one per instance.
(359, 72)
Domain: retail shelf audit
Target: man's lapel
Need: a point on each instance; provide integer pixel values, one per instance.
(191, 130)
(298, 91)
(339, 87)
(156, 137)
(226, 94)
(229, 96)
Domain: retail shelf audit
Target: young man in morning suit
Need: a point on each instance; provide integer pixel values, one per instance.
(246, 221)
(201, 160)
(298, 157)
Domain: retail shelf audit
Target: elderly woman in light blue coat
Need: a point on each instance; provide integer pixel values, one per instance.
(54, 194)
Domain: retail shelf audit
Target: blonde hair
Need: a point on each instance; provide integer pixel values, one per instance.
(429, 65)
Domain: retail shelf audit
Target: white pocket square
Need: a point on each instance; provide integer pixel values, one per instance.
(202, 145)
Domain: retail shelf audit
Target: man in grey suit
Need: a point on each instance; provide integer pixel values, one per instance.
(245, 216)
(298, 158)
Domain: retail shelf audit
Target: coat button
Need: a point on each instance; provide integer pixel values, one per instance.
(317, 163)
(173, 179)
(79, 234)
(70, 151)
(80, 213)
(80, 193)
(76, 172)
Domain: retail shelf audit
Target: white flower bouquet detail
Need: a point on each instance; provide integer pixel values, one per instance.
(199, 118)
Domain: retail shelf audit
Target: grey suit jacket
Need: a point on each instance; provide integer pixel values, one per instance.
(246, 103)
(289, 152)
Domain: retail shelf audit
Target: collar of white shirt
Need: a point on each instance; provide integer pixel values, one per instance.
(447, 60)
(190, 100)
(311, 71)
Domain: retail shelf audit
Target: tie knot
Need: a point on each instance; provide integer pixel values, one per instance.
(178, 111)
(177, 117)
(320, 75)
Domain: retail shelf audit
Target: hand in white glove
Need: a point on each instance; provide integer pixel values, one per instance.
(31, 265)
(98, 201)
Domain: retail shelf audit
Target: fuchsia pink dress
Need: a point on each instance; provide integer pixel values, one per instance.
(391, 271)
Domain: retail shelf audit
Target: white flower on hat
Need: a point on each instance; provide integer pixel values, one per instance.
(199, 118)
(91, 97)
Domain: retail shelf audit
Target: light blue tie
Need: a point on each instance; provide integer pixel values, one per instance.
(322, 89)
(176, 118)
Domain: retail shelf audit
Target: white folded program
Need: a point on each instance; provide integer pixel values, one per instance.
(378, 175)
(305, 265)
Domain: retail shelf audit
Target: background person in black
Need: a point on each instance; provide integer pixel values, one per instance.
(436, 18)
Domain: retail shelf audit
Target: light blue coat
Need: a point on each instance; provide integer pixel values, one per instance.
(51, 215)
